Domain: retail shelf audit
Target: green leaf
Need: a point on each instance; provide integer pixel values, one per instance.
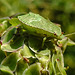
(32, 60)
(57, 62)
(4, 25)
(62, 70)
(4, 70)
(14, 22)
(66, 42)
(70, 42)
(49, 45)
(21, 66)
(2, 55)
(34, 44)
(33, 69)
(15, 44)
(43, 57)
(43, 60)
(50, 68)
(8, 35)
(26, 52)
(37, 25)
(44, 52)
(3, 19)
(11, 60)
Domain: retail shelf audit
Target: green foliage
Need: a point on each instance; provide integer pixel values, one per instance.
(30, 53)
(33, 69)
(58, 11)
(4, 70)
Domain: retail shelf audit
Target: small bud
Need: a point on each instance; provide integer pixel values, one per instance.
(41, 71)
(60, 45)
(55, 33)
(62, 32)
(58, 60)
(0, 42)
(26, 60)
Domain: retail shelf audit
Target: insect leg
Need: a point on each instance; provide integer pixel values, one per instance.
(44, 39)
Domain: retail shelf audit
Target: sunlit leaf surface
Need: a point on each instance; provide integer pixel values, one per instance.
(15, 44)
(4, 70)
(21, 66)
(26, 52)
(33, 69)
(11, 61)
(9, 35)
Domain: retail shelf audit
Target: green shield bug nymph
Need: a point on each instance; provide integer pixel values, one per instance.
(39, 26)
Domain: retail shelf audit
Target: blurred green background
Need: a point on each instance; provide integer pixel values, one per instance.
(58, 11)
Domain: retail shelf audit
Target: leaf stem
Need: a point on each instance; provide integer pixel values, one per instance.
(5, 53)
(70, 34)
